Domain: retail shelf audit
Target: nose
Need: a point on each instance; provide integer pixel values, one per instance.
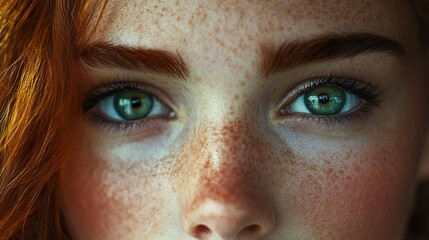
(226, 202)
(220, 220)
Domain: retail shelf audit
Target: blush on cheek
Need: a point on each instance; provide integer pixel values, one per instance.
(367, 195)
(101, 200)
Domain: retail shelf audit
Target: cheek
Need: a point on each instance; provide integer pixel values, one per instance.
(101, 200)
(367, 198)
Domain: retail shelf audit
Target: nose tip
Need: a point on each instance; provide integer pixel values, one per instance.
(217, 220)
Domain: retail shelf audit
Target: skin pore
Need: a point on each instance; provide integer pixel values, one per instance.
(226, 158)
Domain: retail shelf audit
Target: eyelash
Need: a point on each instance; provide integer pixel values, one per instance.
(114, 86)
(117, 85)
(370, 94)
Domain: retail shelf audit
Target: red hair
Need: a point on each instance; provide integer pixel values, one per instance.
(39, 49)
(40, 43)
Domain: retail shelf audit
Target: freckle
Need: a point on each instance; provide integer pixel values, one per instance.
(220, 42)
(216, 29)
(230, 111)
(312, 167)
(241, 13)
(329, 171)
(204, 17)
(358, 169)
(226, 8)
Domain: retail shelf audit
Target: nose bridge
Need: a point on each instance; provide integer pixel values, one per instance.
(225, 164)
(232, 153)
(225, 200)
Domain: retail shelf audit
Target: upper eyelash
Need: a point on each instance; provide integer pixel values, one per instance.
(113, 86)
(116, 85)
(351, 83)
(366, 91)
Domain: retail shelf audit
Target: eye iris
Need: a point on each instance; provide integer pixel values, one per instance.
(325, 100)
(133, 104)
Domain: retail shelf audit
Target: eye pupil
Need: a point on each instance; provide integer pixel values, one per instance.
(323, 98)
(136, 102)
(327, 100)
(133, 104)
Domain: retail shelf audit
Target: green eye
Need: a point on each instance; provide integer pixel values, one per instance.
(326, 100)
(133, 104)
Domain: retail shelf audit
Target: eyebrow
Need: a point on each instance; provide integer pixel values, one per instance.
(103, 54)
(274, 58)
(328, 47)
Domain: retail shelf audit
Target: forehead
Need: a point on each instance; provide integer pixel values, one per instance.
(228, 35)
(157, 23)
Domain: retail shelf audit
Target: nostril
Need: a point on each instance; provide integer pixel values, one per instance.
(201, 231)
(250, 231)
(223, 220)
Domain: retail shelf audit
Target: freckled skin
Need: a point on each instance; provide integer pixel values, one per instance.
(228, 167)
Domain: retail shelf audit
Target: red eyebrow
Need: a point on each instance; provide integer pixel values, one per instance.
(327, 47)
(274, 58)
(102, 54)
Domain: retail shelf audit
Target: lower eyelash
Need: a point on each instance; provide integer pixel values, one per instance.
(329, 120)
(121, 128)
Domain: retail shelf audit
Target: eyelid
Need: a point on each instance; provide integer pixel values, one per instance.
(351, 83)
(115, 84)
(144, 127)
(370, 95)
(352, 102)
(102, 109)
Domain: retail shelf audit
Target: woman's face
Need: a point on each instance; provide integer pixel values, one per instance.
(247, 120)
